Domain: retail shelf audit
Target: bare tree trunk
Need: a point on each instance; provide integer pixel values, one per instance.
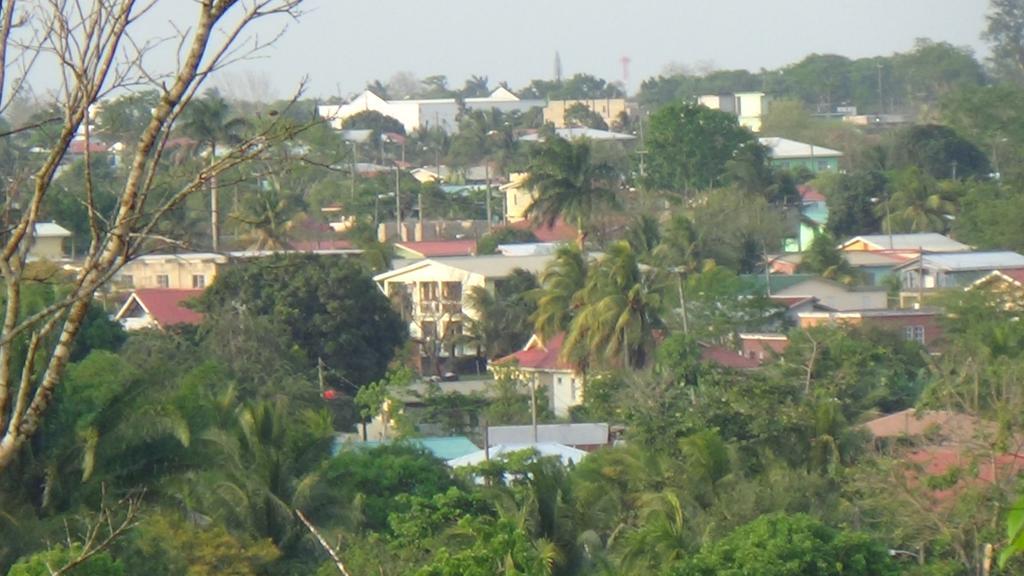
(99, 54)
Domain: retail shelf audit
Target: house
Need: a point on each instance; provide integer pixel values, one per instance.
(813, 217)
(929, 273)
(1006, 284)
(580, 435)
(793, 155)
(920, 325)
(748, 107)
(933, 427)
(726, 358)
(828, 293)
(416, 114)
(609, 109)
(903, 245)
(872, 267)
(48, 242)
(518, 197)
(762, 346)
(433, 293)
(568, 455)
(157, 308)
(540, 365)
(195, 270)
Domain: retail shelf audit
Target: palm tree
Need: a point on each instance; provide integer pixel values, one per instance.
(917, 204)
(269, 214)
(620, 312)
(208, 120)
(679, 252)
(569, 184)
(559, 298)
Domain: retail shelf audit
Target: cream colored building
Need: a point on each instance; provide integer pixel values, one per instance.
(433, 294)
(608, 109)
(48, 242)
(517, 197)
(178, 271)
(749, 107)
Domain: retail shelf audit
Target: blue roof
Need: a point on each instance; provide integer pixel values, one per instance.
(443, 447)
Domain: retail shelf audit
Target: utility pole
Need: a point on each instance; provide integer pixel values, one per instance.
(487, 175)
(398, 204)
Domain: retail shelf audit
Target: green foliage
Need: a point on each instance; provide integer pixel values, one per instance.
(851, 202)
(988, 217)
(939, 152)
(44, 563)
(503, 323)
(826, 260)
(781, 545)
(376, 477)
(689, 147)
(736, 228)
(488, 244)
(580, 115)
(324, 303)
(373, 120)
(570, 184)
(1005, 32)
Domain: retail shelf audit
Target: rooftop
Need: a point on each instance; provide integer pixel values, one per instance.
(164, 305)
(437, 248)
(927, 241)
(537, 355)
(782, 148)
(969, 261)
(487, 266)
(574, 434)
(577, 133)
(50, 230)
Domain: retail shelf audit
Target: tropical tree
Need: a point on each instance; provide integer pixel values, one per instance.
(569, 184)
(210, 123)
(620, 312)
(825, 259)
(917, 204)
(559, 298)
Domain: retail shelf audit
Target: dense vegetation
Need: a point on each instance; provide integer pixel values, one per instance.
(195, 448)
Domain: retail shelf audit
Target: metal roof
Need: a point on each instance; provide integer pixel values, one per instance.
(50, 230)
(929, 241)
(968, 261)
(577, 133)
(783, 148)
(486, 266)
(575, 434)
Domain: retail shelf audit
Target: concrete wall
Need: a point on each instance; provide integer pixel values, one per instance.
(145, 272)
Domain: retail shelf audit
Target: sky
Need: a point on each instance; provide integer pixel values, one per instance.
(340, 45)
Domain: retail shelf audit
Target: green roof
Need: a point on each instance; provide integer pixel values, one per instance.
(443, 447)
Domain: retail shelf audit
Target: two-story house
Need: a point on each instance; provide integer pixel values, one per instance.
(929, 273)
(187, 271)
(433, 294)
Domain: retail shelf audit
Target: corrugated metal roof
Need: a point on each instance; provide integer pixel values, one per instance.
(50, 230)
(968, 261)
(928, 241)
(782, 148)
(575, 434)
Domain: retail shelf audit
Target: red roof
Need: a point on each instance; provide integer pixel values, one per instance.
(727, 358)
(165, 305)
(1015, 274)
(559, 232)
(78, 147)
(936, 461)
(809, 194)
(539, 356)
(439, 248)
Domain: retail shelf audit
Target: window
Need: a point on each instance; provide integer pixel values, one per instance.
(199, 281)
(451, 291)
(162, 281)
(128, 280)
(429, 330)
(572, 389)
(914, 333)
(428, 291)
(823, 165)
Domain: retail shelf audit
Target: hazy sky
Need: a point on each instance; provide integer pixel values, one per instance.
(342, 44)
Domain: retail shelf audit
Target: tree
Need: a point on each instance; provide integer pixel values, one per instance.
(326, 305)
(917, 204)
(781, 545)
(826, 260)
(503, 322)
(580, 115)
(558, 300)
(851, 200)
(88, 42)
(569, 184)
(208, 121)
(620, 311)
(939, 152)
(689, 146)
(1005, 32)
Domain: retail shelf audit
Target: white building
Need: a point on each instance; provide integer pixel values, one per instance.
(416, 114)
(749, 107)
